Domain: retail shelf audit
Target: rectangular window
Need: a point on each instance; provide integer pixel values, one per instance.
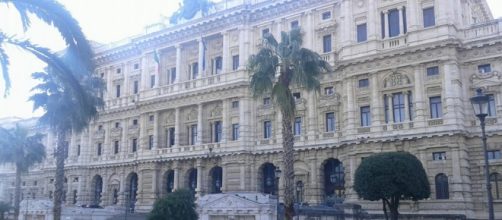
(363, 83)
(235, 132)
(436, 107)
(152, 81)
(295, 24)
(100, 127)
(267, 129)
(171, 137)
(432, 71)
(134, 145)
(117, 124)
(411, 112)
(393, 17)
(99, 149)
(398, 107)
(136, 87)
(330, 122)
(365, 116)
(116, 147)
(264, 32)
(329, 90)
(173, 75)
(492, 109)
(326, 15)
(195, 70)
(382, 24)
(218, 64)
(362, 35)
(494, 154)
(235, 62)
(266, 101)
(235, 104)
(193, 134)
(117, 91)
(151, 118)
(150, 142)
(439, 155)
(135, 122)
(297, 96)
(485, 68)
(297, 126)
(217, 131)
(429, 17)
(119, 70)
(136, 66)
(78, 150)
(326, 43)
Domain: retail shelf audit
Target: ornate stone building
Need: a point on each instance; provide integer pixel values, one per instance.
(403, 73)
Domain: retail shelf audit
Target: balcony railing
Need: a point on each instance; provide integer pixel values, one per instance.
(394, 42)
(491, 28)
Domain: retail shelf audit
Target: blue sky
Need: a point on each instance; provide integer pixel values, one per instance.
(102, 21)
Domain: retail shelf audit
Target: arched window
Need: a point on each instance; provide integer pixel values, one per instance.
(192, 179)
(334, 178)
(268, 179)
(216, 179)
(495, 181)
(170, 181)
(442, 191)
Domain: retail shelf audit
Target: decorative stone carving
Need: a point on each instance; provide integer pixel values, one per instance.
(396, 80)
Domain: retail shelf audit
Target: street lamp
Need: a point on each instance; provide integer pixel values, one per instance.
(480, 105)
(277, 173)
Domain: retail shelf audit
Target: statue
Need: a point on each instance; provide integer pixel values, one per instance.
(189, 9)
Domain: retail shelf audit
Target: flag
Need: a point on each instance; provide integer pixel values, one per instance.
(157, 60)
(203, 54)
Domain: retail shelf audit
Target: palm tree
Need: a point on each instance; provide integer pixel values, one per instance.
(55, 14)
(23, 150)
(275, 69)
(66, 111)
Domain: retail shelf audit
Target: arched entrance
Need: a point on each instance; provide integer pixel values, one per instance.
(97, 183)
(192, 179)
(268, 179)
(169, 178)
(132, 191)
(334, 178)
(216, 177)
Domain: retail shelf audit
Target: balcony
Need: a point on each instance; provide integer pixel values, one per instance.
(395, 42)
(484, 30)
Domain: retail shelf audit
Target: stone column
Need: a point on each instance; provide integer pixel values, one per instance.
(202, 72)
(390, 114)
(376, 103)
(225, 121)
(177, 127)
(350, 116)
(406, 107)
(200, 176)
(156, 138)
(244, 44)
(314, 194)
(309, 32)
(245, 132)
(413, 15)
(176, 169)
(225, 48)
(279, 29)
(420, 103)
(312, 113)
(224, 178)
(178, 64)
(347, 22)
(386, 25)
(442, 7)
(109, 83)
(123, 144)
(456, 180)
(451, 91)
(142, 140)
(373, 20)
(401, 20)
(200, 129)
(145, 73)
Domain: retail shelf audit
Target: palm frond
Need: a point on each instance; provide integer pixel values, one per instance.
(54, 13)
(282, 96)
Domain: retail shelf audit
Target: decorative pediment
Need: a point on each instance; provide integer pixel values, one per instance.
(480, 80)
(329, 100)
(170, 118)
(192, 115)
(396, 80)
(216, 111)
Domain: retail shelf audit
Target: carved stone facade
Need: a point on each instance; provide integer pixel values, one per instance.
(190, 121)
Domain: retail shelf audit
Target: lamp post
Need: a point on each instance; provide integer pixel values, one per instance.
(480, 105)
(277, 173)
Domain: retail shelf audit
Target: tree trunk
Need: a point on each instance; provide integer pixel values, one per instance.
(288, 163)
(17, 197)
(385, 209)
(59, 178)
(394, 206)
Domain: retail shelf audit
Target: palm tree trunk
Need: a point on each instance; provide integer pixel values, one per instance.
(17, 197)
(59, 179)
(288, 163)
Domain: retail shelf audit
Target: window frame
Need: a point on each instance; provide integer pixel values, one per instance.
(428, 22)
(432, 71)
(297, 126)
(436, 107)
(327, 43)
(363, 83)
(362, 33)
(235, 131)
(442, 186)
(439, 155)
(267, 129)
(330, 122)
(485, 68)
(365, 116)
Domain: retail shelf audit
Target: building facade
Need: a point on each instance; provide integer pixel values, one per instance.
(179, 113)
